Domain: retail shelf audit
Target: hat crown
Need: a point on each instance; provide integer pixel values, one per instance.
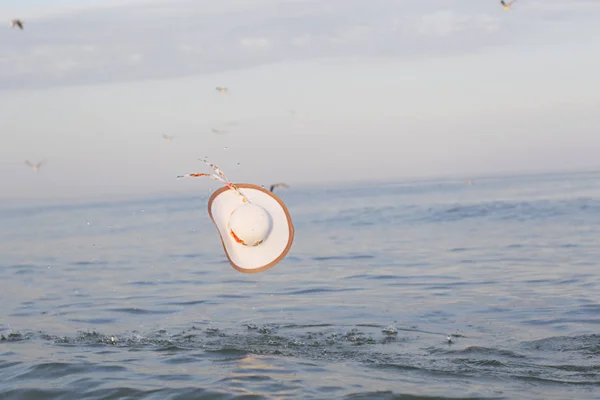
(250, 224)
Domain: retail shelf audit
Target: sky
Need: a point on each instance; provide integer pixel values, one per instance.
(381, 89)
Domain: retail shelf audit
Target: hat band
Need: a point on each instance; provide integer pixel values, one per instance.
(240, 241)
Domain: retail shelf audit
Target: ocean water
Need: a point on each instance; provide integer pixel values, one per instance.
(135, 300)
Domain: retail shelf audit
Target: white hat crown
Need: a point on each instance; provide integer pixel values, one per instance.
(250, 224)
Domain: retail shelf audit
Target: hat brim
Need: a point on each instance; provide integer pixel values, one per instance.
(266, 255)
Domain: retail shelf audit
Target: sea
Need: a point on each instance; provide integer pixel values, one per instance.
(415, 290)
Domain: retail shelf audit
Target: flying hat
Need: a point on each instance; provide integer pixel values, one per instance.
(254, 224)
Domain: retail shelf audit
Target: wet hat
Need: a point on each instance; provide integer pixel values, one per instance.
(254, 224)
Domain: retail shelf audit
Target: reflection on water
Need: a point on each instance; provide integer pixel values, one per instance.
(109, 301)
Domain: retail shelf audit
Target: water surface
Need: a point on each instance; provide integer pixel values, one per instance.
(135, 300)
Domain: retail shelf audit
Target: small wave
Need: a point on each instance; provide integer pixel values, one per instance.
(86, 263)
(487, 351)
(139, 311)
(95, 321)
(516, 210)
(584, 344)
(233, 296)
(187, 303)
(349, 257)
(121, 393)
(321, 290)
(389, 395)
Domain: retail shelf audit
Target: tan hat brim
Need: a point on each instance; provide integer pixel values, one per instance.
(266, 255)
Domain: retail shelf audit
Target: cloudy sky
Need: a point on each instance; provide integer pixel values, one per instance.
(384, 89)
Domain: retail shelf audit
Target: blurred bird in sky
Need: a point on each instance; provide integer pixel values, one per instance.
(507, 4)
(35, 167)
(276, 185)
(16, 23)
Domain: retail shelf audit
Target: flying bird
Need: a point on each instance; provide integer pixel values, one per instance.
(507, 5)
(276, 185)
(168, 138)
(222, 89)
(35, 167)
(16, 23)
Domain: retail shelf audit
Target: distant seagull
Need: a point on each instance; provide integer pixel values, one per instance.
(168, 138)
(276, 185)
(222, 89)
(16, 23)
(219, 131)
(36, 167)
(506, 5)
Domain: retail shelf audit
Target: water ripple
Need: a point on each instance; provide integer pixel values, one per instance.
(422, 290)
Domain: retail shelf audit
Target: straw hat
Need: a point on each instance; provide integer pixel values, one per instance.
(256, 231)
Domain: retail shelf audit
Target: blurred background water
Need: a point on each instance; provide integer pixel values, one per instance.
(135, 299)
